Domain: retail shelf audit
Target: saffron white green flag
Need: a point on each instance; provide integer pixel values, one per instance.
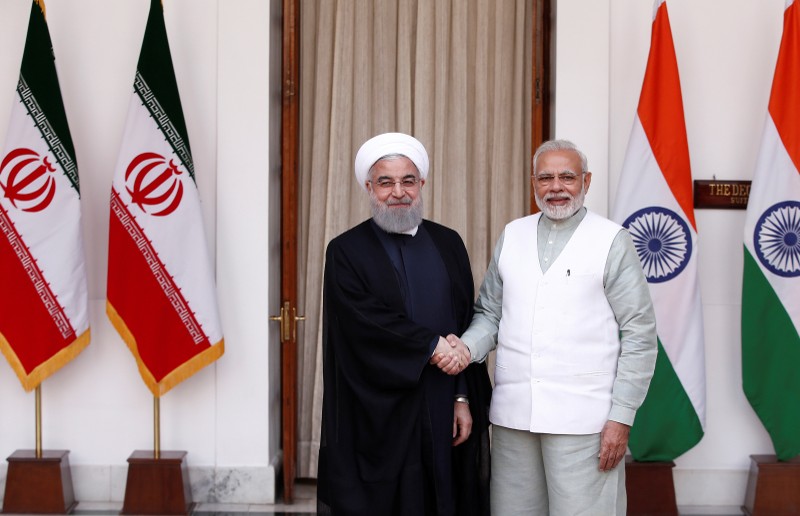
(654, 202)
(161, 295)
(44, 308)
(771, 283)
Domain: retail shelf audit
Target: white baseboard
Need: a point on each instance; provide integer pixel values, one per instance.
(702, 490)
(234, 485)
(710, 487)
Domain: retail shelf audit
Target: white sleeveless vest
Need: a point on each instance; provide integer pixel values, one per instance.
(558, 341)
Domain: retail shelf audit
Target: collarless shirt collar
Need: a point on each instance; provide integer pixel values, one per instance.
(564, 224)
(412, 231)
(553, 235)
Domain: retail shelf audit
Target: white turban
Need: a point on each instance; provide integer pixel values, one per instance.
(390, 143)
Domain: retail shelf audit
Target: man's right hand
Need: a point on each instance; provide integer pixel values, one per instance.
(451, 355)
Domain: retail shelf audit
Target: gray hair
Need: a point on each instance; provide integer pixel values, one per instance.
(559, 145)
(389, 157)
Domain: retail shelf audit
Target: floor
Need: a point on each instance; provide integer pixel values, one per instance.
(305, 504)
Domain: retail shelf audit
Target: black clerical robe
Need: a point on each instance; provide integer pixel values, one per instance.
(387, 414)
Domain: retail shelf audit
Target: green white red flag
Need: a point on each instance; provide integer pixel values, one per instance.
(771, 282)
(654, 202)
(161, 295)
(44, 310)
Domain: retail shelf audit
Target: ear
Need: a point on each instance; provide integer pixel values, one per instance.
(587, 180)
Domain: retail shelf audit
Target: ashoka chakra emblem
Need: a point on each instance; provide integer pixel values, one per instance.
(662, 240)
(777, 239)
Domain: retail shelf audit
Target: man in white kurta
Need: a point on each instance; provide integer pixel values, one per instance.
(566, 304)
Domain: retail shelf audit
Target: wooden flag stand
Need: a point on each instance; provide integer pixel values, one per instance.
(158, 481)
(773, 487)
(39, 481)
(650, 488)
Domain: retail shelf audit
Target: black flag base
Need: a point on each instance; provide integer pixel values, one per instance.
(157, 485)
(39, 485)
(773, 487)
(650, 488)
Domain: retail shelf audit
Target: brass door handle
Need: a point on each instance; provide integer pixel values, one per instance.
(288, 322)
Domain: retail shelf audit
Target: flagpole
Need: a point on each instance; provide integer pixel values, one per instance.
(156, 427)
(39, 421)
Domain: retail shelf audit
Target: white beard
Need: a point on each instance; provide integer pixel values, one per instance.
(561, 212)
(396, 220)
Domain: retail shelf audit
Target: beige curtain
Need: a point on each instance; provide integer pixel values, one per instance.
(455, 74)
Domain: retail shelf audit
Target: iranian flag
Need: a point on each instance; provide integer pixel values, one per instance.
(654, 202)
(161, 295)
(771, 285)
(44, 312)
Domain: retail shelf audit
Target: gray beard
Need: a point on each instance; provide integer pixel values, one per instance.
(561, 212)
(393, 220)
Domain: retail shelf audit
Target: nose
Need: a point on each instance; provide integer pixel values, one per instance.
(397, 189)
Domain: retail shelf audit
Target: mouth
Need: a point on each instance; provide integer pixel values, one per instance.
(558, 201)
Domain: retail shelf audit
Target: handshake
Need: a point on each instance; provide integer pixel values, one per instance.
(451, 355)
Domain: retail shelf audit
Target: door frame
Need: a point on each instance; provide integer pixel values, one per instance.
(290, 141)
(542, 84)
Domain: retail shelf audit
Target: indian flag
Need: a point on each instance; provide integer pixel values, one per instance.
(44, 311)
(161, 295)
(654, 202)
(771, 284)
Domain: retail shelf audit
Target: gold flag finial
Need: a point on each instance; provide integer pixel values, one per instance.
(40, 3)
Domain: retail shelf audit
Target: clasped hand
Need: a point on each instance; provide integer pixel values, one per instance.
(451, 355)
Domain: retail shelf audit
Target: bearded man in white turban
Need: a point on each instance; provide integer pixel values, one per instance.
(399, 436)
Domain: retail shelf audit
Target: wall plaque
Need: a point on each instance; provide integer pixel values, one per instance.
(729, 195)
